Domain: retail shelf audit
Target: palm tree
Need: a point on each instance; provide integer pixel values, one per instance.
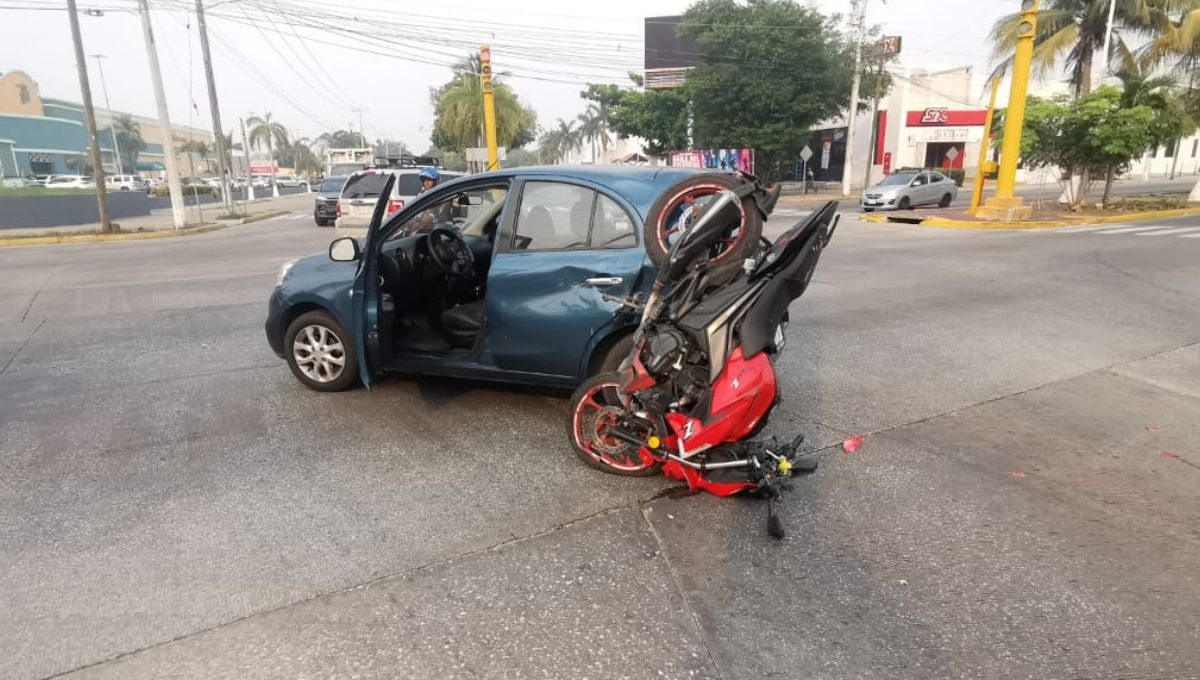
(458, 111)
(339, 139)
(129, 138)
(1180, 44)
(298, 155)
(594, 127)
(264, 130)
(1074, 30)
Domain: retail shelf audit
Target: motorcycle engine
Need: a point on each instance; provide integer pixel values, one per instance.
(677, 367)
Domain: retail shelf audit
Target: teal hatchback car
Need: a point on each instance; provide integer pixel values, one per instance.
(510, 276)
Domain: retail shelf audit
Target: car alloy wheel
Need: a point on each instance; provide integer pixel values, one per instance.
(319, 353)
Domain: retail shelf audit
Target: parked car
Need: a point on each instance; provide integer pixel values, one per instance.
(290, 181)
(903, 190)
(37, 180)
(70, 182)
(362, 189)
(125, 183)
(326, 203)
(507, 275)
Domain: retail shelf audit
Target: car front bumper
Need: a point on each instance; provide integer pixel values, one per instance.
(274, 325)
(885, 203)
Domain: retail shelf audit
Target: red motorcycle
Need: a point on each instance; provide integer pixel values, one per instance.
(700, 381)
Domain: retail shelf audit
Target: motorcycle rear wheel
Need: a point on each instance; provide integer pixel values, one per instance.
(596, 405)
(669, 214)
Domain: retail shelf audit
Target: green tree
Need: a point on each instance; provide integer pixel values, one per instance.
(129, 138)
(339, 139)
(658, 116)
(299, 155)
(1089, 135)
(264, 131)
(770, 70)
(458, 111)
(594, 127)
(557, 143)
(1072, 31)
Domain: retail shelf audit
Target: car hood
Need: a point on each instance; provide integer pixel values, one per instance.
(318, 272)
(878, 189)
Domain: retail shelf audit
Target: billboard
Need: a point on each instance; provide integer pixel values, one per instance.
(715, 159)
(664, 48)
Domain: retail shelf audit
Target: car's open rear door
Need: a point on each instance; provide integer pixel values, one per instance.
(366, 294)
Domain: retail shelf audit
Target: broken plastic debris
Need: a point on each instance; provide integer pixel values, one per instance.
(1169, 454)
(852, 444)
(1016, 473)
(1154, 428)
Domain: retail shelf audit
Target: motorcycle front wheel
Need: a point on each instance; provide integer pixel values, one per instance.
(595, 407)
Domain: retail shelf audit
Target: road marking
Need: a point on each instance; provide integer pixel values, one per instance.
(1189, 236)
(1128, 230)
(1077, 230)
(298, 217)
(1169, 231)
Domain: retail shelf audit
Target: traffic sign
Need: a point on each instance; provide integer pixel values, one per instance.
(806, 153)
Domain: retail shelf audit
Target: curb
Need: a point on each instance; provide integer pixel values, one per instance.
(131, 235)
(942, 223)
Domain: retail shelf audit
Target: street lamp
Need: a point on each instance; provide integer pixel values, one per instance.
(111, 128)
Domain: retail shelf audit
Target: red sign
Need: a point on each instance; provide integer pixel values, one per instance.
(887, 163)
(938, 116)
(263, 169)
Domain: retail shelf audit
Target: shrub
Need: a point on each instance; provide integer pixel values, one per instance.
(188, 189)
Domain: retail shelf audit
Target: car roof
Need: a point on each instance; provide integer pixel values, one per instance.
(639, 185)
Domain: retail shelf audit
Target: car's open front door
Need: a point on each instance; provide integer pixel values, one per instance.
(366, 293)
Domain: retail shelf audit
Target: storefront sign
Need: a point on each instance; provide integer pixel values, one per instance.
(942, 116)
(262, 169)
(948, 134)
(887, 163)
(717, 159)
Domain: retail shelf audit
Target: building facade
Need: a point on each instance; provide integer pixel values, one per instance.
(40, 135)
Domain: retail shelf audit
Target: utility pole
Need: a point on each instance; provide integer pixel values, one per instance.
(164, 119)
(362, 131)
(112, 130)
(1112, 12)
(89, 117)
(874, 128)
(1006, 206)
(218, 131)
(246, 151)
(489, 107)
(861, 32)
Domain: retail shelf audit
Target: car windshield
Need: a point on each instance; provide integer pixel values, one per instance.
(368, 185)
(332, 184)
(897, 180)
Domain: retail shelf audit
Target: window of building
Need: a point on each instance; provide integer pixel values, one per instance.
(1195, 146)
(1170, 151)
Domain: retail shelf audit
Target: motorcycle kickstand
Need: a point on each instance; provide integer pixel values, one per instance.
(774, 524)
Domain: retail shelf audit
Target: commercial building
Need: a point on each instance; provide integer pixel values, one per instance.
(40, 135)
(936, 120)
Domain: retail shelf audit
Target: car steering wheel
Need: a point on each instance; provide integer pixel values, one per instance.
(450, 253)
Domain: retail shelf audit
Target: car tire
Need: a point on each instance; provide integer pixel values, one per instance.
(695, 187)
(308, 336)
(614, 355)
(945, 202)
(904, 204)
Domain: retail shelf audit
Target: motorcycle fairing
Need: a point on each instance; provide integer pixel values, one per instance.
(738, 401)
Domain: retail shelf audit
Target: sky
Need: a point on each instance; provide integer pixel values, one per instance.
(314, 64)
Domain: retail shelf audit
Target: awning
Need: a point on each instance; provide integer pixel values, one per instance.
(151, 167)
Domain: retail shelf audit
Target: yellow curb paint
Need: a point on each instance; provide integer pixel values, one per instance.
(941, 223)
(125, 236)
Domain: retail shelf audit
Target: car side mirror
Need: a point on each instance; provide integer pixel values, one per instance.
(344, 249)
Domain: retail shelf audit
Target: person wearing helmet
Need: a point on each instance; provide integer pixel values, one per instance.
(429, 178)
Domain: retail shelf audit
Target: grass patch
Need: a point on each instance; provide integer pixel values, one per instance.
(42, 191)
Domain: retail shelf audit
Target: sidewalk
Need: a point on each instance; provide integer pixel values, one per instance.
(198, 219)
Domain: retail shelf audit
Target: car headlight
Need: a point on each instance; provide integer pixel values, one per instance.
(283, 271)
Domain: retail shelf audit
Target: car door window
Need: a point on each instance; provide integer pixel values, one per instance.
(919, 181)
(554, 216)
(934, 177)
(612, 227)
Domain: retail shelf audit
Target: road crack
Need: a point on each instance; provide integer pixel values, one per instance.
(13, 357)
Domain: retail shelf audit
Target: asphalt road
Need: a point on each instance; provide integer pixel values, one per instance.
(173, 504)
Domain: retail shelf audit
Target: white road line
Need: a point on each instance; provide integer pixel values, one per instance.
(1189, 235)
(1129, 230)
(298, 217)
(1076, 230)
(1169, 231)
